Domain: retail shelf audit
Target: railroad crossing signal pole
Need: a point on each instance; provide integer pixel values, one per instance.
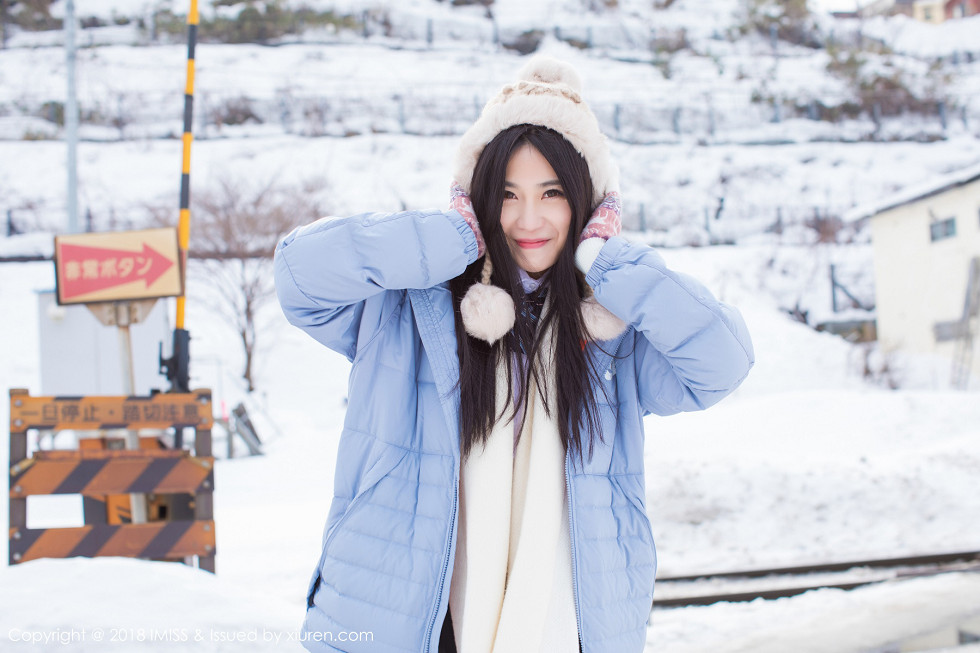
(177, 368)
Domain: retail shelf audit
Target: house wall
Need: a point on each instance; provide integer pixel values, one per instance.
(929, 11)
(962, 8)
(919, 282)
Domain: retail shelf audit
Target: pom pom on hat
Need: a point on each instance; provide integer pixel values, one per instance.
(488, 311)
(599, 322)
(548, 70)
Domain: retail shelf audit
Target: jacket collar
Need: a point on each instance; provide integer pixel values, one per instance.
(433, 309)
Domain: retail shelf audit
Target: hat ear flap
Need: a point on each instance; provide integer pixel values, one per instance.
(488, 311)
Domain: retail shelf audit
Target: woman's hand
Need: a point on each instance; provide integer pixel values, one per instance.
(605, 221)
(604, 224)
(460, 202)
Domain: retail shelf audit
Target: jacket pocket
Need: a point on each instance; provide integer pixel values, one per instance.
(631, 485)
(389, 459)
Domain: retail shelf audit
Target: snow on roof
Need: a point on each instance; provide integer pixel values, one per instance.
(837, 6)
(915, 192)
(830, 6)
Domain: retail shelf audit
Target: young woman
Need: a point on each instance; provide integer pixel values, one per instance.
(489, 490)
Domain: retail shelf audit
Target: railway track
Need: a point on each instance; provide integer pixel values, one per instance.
(748, 585)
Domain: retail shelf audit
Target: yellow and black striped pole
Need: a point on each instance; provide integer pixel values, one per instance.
(179, 369)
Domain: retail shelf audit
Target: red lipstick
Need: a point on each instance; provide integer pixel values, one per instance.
(531, 244)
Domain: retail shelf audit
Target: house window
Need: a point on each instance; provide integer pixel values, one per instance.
(942, 229)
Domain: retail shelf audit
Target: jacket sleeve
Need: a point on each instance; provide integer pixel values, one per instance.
(341, 279)
(691, 349)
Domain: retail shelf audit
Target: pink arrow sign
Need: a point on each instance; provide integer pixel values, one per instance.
(91, 269)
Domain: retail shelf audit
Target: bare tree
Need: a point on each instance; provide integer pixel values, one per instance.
(234, 231)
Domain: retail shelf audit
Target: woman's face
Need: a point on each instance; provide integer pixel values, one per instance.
(535, 215)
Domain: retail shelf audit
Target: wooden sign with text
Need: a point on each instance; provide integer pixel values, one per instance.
(117, 266)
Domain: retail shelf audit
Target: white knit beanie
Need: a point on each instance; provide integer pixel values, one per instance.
(547, 93)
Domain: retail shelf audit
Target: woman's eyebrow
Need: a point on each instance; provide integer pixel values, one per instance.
(551, 182)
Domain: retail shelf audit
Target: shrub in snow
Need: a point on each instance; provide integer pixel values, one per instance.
(883, 84)
(234, 111)
(236, 227)
(878, 366)
(789, 19)
(31, 14)
(523, 43)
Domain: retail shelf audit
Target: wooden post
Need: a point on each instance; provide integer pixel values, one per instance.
(204, 501)
(18, 452)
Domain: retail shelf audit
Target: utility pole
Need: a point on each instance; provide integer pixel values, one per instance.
(71, 119)
(3, 24)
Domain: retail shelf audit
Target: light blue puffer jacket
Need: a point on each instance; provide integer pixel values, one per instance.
(374, 287)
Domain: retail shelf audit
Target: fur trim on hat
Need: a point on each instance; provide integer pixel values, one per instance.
(546, 93)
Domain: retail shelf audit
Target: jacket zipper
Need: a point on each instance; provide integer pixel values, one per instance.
(571, 513)
(429, 325)
(445, 567)
(571, 537)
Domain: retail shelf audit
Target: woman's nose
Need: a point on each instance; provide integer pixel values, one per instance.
(530, 215)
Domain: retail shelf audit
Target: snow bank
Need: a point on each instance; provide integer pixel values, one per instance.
(861, 620)
(117, 604)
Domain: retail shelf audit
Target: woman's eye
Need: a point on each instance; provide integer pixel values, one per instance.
(554, 192)
(509, 195)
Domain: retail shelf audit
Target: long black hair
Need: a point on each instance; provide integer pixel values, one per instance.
(575, 376)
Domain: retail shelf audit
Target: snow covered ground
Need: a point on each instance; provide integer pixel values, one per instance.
(808, 462)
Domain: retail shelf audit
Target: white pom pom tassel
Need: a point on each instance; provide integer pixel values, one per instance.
(488, 311)
(600, 323)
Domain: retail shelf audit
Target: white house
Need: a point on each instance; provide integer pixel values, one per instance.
(926, 243)
(929, 11)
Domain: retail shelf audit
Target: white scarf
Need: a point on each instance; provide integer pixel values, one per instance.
(512, 588)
